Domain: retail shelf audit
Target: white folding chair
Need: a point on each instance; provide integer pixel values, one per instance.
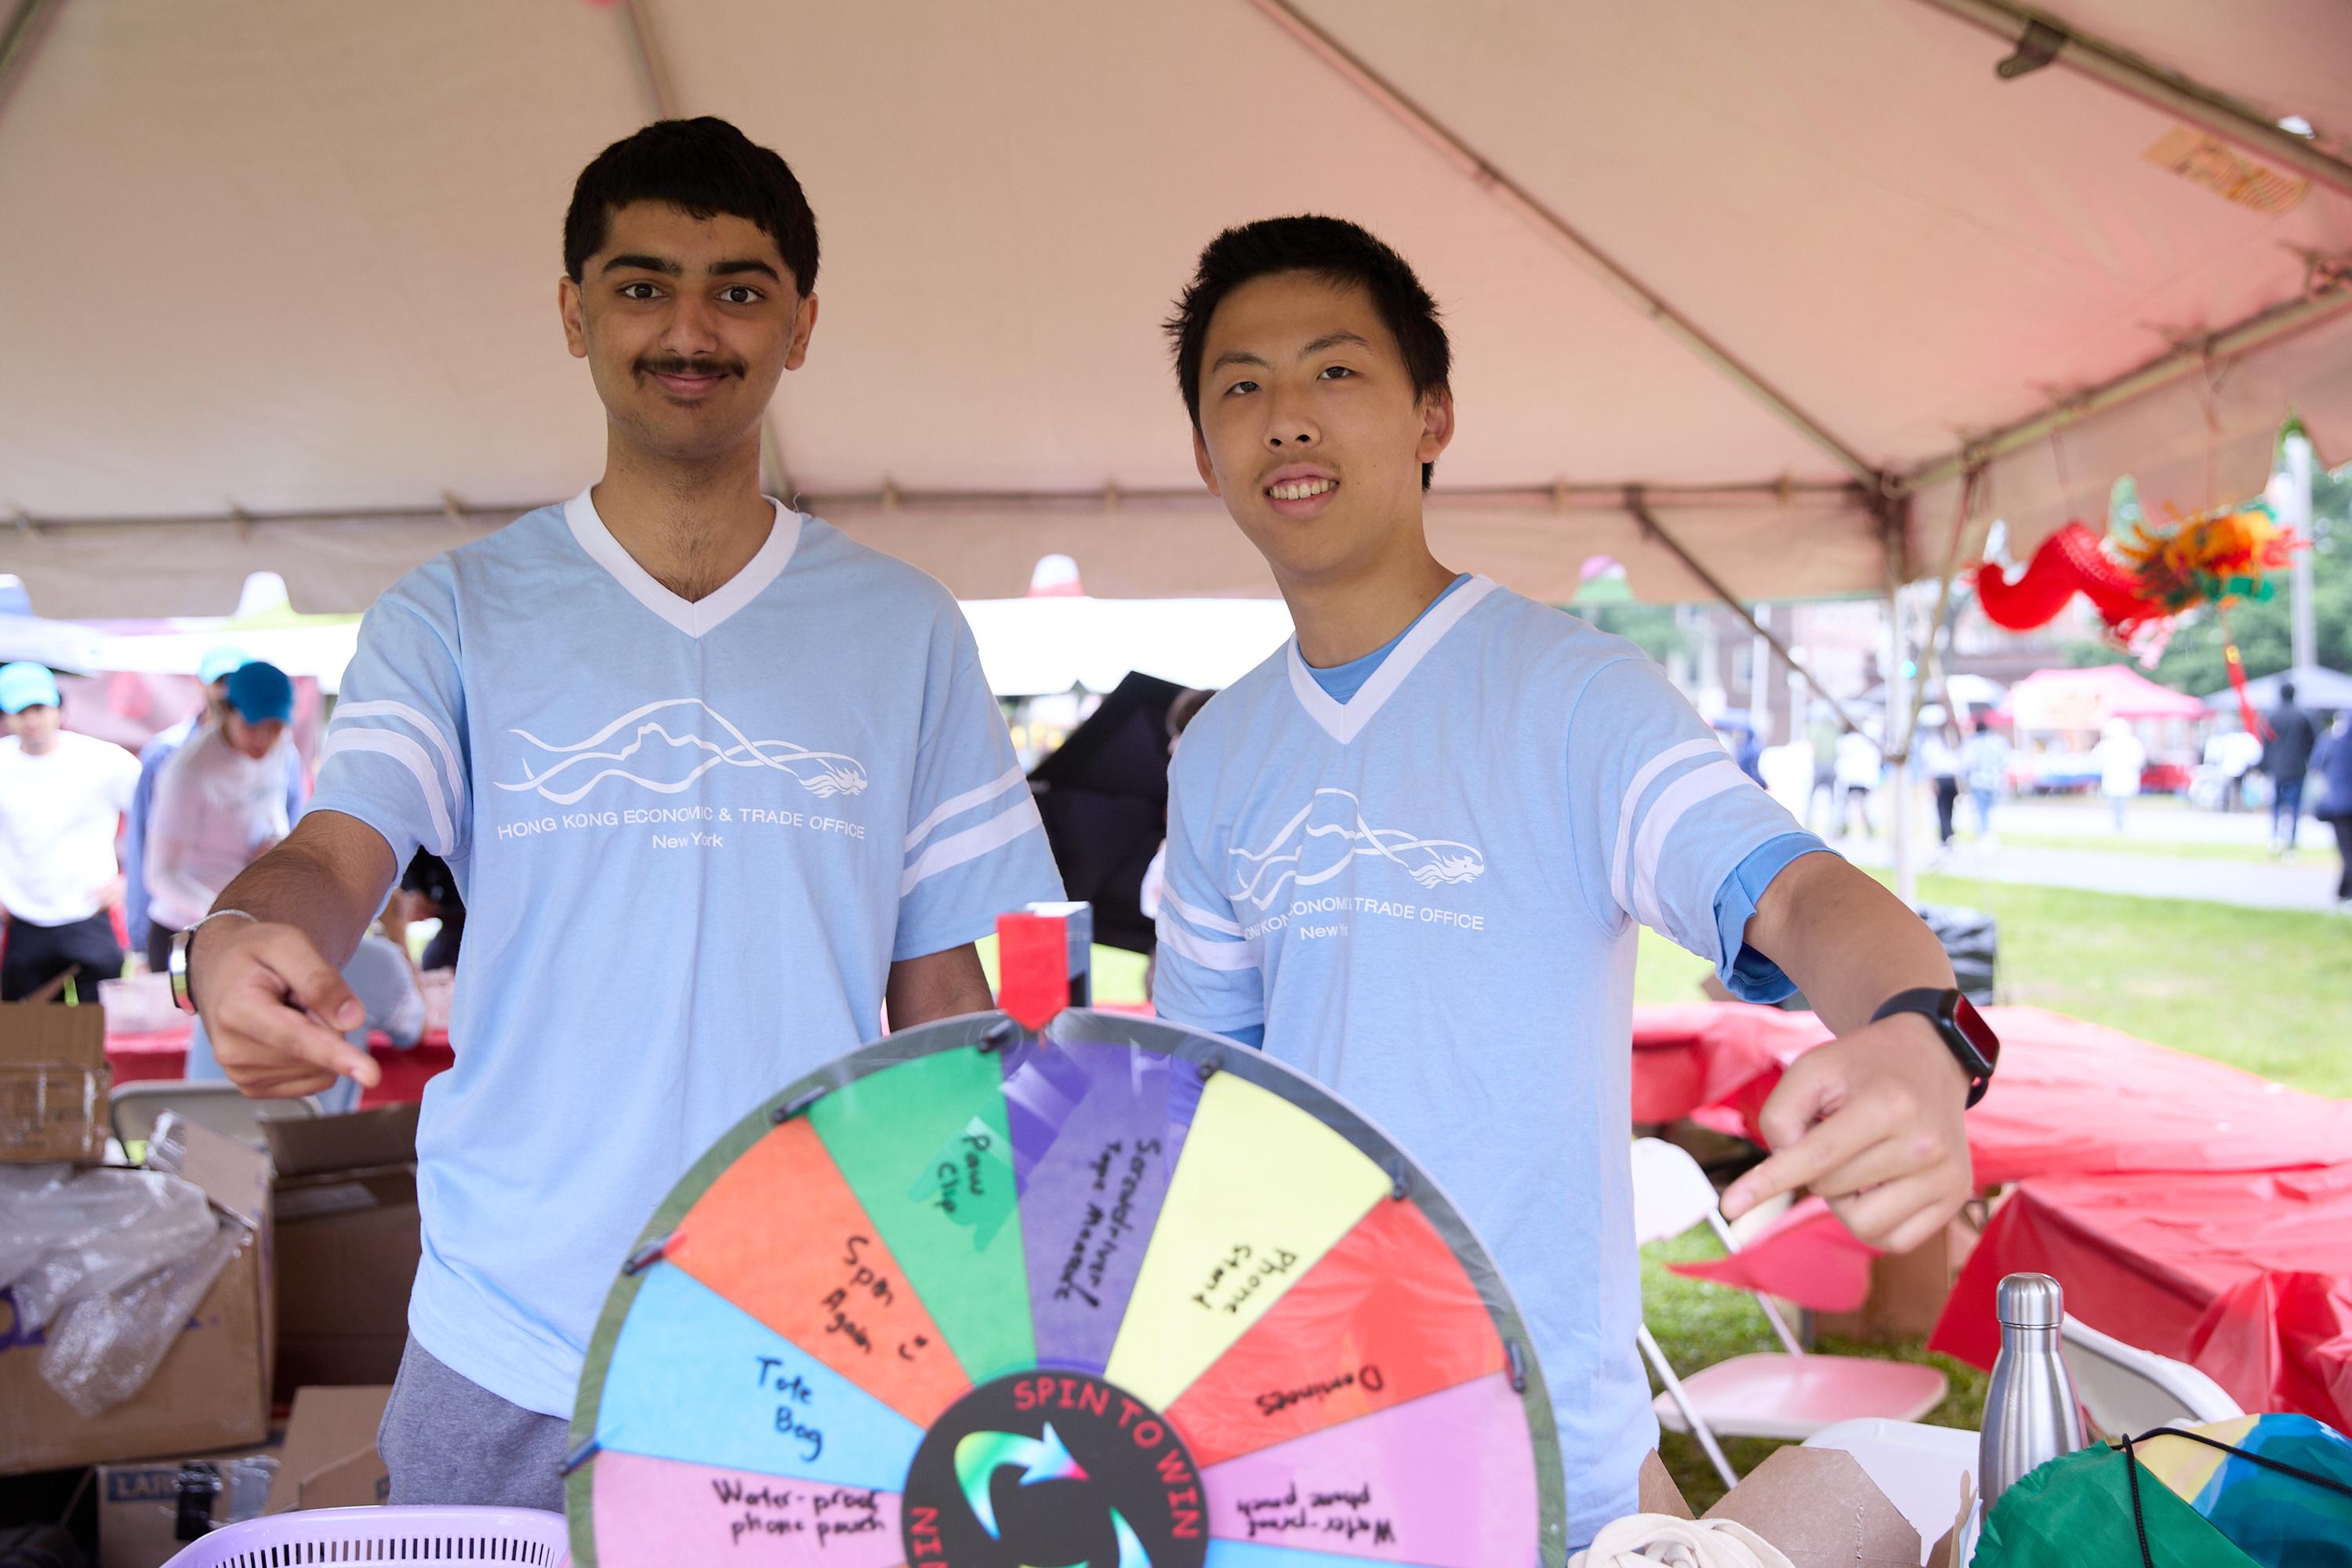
(2127, 1389)
(132, 1108)
(1788, 1394)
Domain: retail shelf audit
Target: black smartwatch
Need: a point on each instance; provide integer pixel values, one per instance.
(1963, 1029)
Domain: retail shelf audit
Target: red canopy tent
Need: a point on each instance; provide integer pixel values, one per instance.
(2087, 698)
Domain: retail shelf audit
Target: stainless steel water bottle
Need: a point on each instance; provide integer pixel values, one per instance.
(2030, 1415)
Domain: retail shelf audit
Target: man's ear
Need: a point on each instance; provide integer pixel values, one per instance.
(1436, 423)
(575, 326)
(1201, 461)
(803, 326)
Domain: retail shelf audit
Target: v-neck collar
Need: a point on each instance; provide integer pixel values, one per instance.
(692, 616)
(1343, 721)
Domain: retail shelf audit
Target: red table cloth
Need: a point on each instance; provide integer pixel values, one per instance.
(163, 1053)
(2247, 1276)
(2070, 1098)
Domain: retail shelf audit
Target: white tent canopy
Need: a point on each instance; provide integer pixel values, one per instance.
(279, 279)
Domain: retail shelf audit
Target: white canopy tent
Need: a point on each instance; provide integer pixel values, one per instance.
(1752, 283)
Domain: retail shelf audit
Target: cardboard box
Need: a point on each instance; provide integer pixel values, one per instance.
(210, 1392)
(330, 1458)
(139, 1503)
(1817, 1505)
(54, 1080)
(347, 1244)
(1908, 1290)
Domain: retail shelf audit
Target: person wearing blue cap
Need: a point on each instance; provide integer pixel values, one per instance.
(220, 802)
(60, 794)
(213, 670)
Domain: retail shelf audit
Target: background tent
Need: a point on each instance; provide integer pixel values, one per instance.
(1753, 284)
(2329, 691)
(2086, 698)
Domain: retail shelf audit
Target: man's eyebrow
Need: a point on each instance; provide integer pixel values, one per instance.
(637, 263)
(1332, 340)
(1237, 356)
(747, 264)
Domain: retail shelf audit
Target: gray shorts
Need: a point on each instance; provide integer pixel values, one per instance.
(449, 1440)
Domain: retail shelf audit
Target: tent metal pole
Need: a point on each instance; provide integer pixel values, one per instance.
(1516, 197)
(2057, 42)
(661, 97)
(20, 38)
(1639, 506)
(2264, 327)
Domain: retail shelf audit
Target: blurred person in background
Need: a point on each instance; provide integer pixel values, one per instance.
(2232, 753)
(1180, 710)
(1824, 734)
(1984, 768)
(428, 891)
(1860, 765)
(2120, 758)
(2333, 764)
(2286, 759)
(220, 802)
(148, 934)
(1940, 756)
(60, 796)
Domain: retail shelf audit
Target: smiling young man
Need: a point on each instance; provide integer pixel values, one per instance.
(715, 784)
(1408, 854)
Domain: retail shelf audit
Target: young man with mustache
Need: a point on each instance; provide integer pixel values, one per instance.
(1408, 854)
(715, 784)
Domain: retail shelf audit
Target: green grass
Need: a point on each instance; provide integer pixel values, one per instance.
(2159, 849)
(1698, 1324)
(2264, 990)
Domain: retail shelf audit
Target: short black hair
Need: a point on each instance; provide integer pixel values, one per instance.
(2286, 690)
(1331, 249)
(705, 166)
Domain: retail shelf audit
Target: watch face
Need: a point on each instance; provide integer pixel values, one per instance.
(1975, 1030)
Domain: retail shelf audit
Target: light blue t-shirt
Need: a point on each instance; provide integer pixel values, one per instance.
(691, 837)
(157, 751)
(1428, 895)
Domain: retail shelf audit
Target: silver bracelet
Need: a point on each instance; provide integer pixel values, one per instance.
(184, 995)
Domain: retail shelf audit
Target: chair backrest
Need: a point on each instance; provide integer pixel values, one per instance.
(2126, 1389)
(1671, 1194)
(216, 1103)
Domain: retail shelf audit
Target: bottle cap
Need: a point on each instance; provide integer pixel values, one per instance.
(2031, 1302)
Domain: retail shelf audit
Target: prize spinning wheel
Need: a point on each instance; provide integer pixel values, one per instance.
(1117, 1296)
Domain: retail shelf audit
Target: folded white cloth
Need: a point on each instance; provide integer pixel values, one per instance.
(1662, 1540)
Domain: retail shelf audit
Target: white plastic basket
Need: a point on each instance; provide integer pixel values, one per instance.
(396, 1537)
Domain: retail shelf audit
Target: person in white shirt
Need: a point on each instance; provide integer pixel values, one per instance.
(60, 796)
(220, 802)
(2120, 758)
(1860, 765)
(716, 782)
(212, 670)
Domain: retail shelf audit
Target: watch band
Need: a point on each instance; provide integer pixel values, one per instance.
(183, 995)
(1957, 1023)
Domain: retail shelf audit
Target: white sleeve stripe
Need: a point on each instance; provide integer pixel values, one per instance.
(1702, 783)
(1223, 956)
(425, 726)
(402, 750)
(1199, 917)
(1006, 826)
(965, 802)
(1642, 780)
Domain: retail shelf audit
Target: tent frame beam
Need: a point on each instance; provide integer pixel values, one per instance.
(1637, 503)
(1548, 223)
(2255, 332)
(19, 40)
(2053, 41)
